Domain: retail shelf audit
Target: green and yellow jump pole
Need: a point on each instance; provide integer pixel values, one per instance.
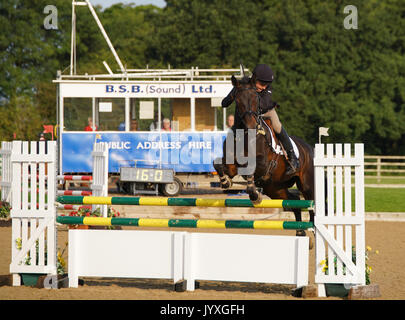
(193, 202)
(186, 223)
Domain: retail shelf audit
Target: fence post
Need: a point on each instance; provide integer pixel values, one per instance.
(5, 182)
(99, 185)
(378, 169)
(33, 212)
(335, 221)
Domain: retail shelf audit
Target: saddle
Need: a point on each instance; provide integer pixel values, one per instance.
(277, 149)
(276, 146)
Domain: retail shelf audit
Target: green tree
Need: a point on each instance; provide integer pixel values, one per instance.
(352, 81)
(208, 33)
(28, 55)
(131, 28)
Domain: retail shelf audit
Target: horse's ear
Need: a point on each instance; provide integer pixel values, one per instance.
(252, 80)
(235, 82)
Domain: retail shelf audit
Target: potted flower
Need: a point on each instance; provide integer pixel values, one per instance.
(339, 289)
(31, 279)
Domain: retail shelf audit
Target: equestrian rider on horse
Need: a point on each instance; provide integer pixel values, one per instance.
(262, 77)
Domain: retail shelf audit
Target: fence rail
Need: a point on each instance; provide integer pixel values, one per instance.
(379, 167)
(384, 167)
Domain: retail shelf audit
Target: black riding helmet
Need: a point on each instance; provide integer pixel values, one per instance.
(263, 73)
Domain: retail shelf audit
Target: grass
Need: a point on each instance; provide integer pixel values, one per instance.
(384, 199)
(368, 180)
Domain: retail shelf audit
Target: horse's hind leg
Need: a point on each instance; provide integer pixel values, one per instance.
(306, 186)
(286, 194)
(297, 212)
(225, 174)
(226, 171)
(251, 190)
(308, 195)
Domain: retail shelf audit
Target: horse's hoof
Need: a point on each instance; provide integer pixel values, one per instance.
(256, 198)
(226, 183)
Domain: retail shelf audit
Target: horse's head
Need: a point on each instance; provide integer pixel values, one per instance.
(247, 102)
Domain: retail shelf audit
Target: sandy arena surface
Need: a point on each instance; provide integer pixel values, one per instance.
(387, 271)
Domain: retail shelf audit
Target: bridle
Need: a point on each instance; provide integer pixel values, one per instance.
(255, 114)
(259, 130)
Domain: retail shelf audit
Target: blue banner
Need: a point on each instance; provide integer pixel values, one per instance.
(182, 152)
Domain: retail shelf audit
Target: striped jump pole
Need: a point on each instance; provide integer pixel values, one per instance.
(72, 207)
(187, 223)
(73, 193)
(74, 178)
(191, 202)
(69, 192)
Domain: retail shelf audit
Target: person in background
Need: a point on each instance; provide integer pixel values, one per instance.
(230, 121)
(133, 125)
(90, 125)
(166, 125)
(121, 126)
(42, 137)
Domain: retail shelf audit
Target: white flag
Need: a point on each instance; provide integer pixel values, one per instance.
(323, 131)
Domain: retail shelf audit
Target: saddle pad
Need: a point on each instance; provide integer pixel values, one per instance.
(276, 147)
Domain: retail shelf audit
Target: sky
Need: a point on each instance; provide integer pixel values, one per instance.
(108, 3)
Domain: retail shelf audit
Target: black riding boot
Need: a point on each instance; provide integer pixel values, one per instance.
(292, 159)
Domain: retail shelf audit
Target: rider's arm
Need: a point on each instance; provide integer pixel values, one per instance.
(266, 111)
(226, 102)
(267, 102)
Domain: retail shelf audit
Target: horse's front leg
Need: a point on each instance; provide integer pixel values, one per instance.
(225, 174)
(254, 195)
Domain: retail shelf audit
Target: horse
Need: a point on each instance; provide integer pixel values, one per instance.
(270, 170)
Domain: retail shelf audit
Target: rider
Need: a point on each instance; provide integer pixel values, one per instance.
(262, 77)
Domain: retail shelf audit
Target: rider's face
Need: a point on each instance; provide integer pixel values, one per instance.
(260, 86)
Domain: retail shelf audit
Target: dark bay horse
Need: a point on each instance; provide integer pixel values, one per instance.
(271, 164)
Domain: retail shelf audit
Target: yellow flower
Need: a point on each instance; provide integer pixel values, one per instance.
(18, 243)
(62, 262)
(368, 248)
(322, 263)
(377, 252)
